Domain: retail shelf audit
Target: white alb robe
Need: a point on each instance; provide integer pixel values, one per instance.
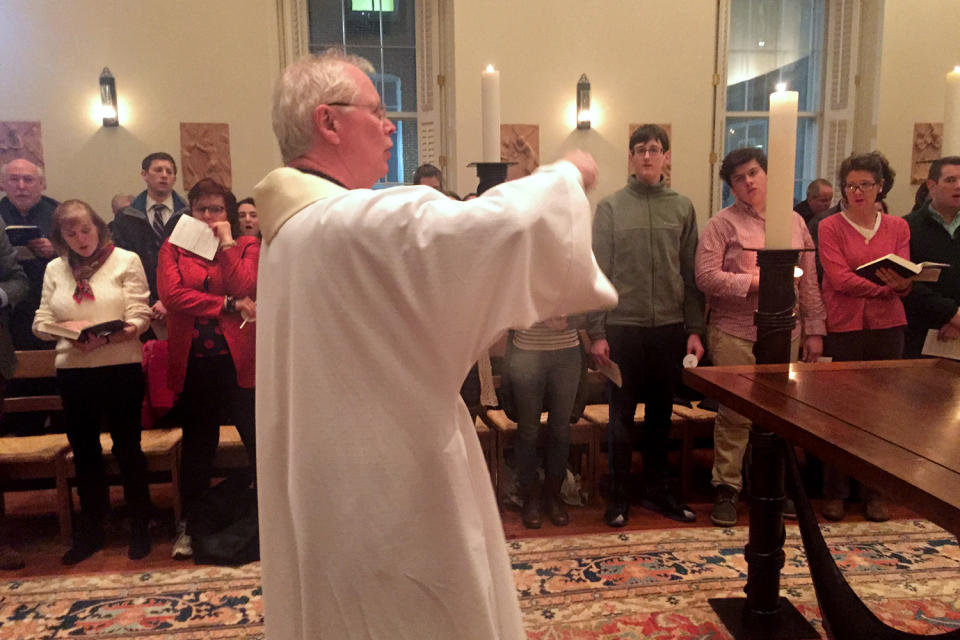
(377, 517)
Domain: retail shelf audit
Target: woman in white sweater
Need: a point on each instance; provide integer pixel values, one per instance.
(100, 376)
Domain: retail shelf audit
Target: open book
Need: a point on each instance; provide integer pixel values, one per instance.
(82, 330)
(923, 272)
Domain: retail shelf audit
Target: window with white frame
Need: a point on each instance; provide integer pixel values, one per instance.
(769, 42)
(384, 32)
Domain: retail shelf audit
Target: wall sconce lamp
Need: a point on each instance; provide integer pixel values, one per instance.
(583, 103)
(108, 99)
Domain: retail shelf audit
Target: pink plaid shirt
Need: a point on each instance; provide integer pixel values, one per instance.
(725, 268)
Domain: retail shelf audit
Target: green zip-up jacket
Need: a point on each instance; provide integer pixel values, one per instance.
(645, 240)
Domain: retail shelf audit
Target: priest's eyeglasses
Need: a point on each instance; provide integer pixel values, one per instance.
(379, 110)
(862, 187)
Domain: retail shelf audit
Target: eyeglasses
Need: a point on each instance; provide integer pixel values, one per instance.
(27, 180)
(653, 151)
(215, 209)
(861, 187)
(379, 110)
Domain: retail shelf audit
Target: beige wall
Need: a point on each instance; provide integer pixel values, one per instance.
(647, 60)
(175, 61)
(920, 45)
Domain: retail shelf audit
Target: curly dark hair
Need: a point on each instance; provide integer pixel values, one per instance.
(874, 163)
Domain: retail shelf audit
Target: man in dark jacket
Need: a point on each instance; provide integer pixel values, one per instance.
(25, 204)
(143, 225)
(933, 238)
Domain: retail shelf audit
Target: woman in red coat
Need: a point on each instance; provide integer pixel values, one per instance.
(211, 344)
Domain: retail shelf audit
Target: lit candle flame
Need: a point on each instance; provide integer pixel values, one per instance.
(781, 86)
(489, 68)
(956, 69)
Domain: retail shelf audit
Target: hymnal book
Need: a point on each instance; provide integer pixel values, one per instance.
(923, 272)
(20, 234)
(195, 236)
(934, 346)
(82, 330)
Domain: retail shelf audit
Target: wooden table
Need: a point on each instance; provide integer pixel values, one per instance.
(895, 425)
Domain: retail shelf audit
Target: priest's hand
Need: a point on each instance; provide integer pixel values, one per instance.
(587, 166)
(600, 350)
(812, 348)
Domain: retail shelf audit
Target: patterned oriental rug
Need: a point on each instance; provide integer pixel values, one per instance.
(618, 586)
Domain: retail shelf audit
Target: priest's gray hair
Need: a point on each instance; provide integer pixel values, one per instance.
(305, 84)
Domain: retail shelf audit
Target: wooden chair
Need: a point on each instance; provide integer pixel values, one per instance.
(161, 448)
(30, 462)
(582, 433)
(686, 424)
(488, 444)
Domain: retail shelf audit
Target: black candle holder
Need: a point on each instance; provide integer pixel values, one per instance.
(490, 174)
(764, 613)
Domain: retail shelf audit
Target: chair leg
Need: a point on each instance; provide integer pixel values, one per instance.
(64, 499)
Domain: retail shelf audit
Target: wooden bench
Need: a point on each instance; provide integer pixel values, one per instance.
(582, 433)
(686, 424)
(161, 448)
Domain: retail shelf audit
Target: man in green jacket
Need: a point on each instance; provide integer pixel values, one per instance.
(645, 240)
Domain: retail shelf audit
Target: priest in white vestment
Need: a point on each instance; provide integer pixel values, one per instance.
(377, 516)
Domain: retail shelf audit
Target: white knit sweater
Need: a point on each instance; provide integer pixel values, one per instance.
(121, 291)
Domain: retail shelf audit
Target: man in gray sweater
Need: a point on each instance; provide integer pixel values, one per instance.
(645, 240)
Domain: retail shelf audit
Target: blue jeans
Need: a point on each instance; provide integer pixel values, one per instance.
(544, 380)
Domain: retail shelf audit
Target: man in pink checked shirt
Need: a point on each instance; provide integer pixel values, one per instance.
(727, 273)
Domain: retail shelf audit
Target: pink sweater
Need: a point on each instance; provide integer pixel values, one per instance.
(855, 303)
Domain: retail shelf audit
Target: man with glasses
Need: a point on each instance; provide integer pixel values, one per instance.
(25, 204)
(933, 238)
(377, 517)
(727, 273)
(645, 240)
(143, 226)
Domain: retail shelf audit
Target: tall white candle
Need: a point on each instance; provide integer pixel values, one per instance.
(490, 114)
(951, 115)
(781, 158)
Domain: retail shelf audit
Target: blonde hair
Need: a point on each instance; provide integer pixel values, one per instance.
(70, 212)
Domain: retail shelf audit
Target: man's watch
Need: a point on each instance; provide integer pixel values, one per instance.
(229, 304)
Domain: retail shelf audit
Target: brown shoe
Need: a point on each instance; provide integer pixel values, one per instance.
(876, 510)
(833, 509)
(10, 558)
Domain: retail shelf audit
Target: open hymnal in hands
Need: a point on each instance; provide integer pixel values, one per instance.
(195, 236)
(82, 330)
(922, 272)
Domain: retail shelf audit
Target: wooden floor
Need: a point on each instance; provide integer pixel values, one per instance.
(31, 526)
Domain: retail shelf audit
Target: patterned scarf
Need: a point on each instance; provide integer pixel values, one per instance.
(84, 268)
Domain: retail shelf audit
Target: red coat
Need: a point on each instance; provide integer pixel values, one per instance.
(180, 280)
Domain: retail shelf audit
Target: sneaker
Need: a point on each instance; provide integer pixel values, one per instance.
(789, 509)
(724, 512)
(10, 558)
(662, 501)
(833, 509)
(876, 510)
(183, 547)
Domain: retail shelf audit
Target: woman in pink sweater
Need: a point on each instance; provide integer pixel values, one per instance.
(865, 320)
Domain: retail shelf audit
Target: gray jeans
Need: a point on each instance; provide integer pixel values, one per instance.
(544, 380)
